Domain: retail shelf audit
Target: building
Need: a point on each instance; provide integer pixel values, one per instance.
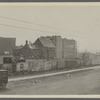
(57, 40)
(88, 58)
(69, 48)
(65, 48)
(27, 51)
(7, 45)
(50, 47)
(46, 46)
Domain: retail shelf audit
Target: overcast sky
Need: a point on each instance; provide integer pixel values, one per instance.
(81, 23)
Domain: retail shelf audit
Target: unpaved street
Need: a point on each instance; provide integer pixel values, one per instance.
(84, 82)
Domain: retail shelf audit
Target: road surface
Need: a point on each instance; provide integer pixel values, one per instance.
(77, 83)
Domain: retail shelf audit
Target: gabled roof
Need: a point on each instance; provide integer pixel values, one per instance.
(31, 46)
(46, 42)
(19, 47)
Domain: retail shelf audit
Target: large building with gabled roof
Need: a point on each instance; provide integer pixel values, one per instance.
(46, 46)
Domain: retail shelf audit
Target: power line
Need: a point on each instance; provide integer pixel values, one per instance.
(25, 28)
(35, 24)
(41, 25)
(30, 22)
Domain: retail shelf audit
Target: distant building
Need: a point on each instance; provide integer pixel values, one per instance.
(65, 48)
(57, 41)
(50, 47)
(69, 48)
(27, 51)
(7, 45)
(88, 58)
(46, 46)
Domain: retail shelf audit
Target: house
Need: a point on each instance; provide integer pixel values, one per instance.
(27, 51)
(46, 46)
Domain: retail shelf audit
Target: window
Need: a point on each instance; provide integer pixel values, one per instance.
(7, 60)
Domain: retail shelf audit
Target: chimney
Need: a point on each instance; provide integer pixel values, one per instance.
(26, 42)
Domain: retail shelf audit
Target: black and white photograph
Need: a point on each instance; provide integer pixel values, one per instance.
(49, 49)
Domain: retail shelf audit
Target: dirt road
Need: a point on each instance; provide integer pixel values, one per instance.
(84, 82)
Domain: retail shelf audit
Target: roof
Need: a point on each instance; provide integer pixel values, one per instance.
(46, 42)
(36, 46)
(31, 46)
(19, 47)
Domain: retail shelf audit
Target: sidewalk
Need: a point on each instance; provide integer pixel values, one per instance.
(51, 74)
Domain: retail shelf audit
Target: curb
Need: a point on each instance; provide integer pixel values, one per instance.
(51, 74)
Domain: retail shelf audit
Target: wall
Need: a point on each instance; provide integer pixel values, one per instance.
(61, 63)
(48, 53)
(95, 60)
(23, 64)
(89, 58)
(40, 65)
(36, 65)
(32, 65)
